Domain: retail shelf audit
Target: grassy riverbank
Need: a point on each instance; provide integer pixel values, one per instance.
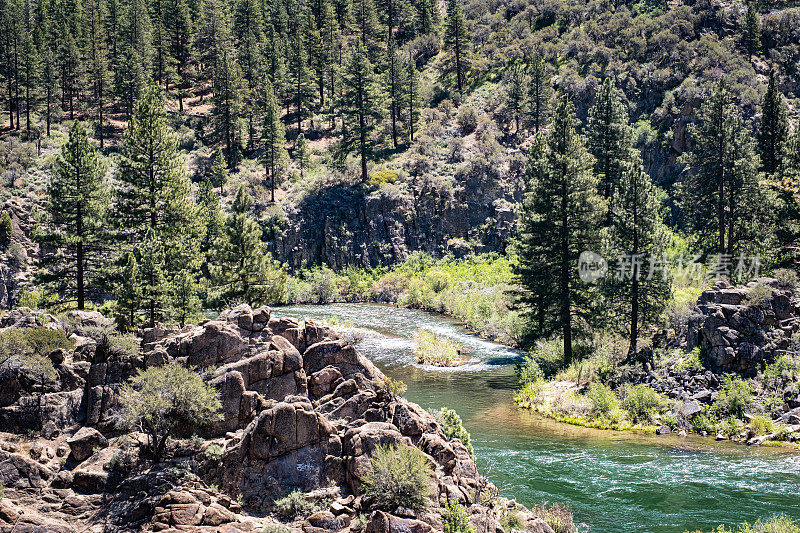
(599, 392)
(474, 290)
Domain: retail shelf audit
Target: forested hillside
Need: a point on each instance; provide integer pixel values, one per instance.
(177, 155)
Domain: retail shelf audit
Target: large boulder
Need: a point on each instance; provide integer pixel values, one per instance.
(84, 443)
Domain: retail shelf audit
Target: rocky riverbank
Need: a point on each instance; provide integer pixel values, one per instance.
(732, 371)
(303, 413)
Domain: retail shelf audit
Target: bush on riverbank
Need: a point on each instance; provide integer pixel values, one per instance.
(399, 477)
(776, 524)
(454, 427)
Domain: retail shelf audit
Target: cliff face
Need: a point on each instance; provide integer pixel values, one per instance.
(303, 411)
(353, 225)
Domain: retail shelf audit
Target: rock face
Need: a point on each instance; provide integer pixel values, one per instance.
(740, 336)
(303, 411)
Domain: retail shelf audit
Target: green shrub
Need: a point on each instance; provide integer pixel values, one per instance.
(642, 403)
(6, 228)
(759, 294)
(455, 518)
(690, 362)
(213, 452)
(276, 528)
(734, 398)
(549, 355)
(380, 177)
(295, 504)
(467, 120)
(32, 341)
(701, 422)
(603, 399)
(511, 521)
(391, 387)
(165, 400)
(528, 371)
(776, 524)
(454, 427)
(359, 523)
(761, 425)
(786, 278)
(399, 477)
(671, 421)
(558, 517)
(121, 461)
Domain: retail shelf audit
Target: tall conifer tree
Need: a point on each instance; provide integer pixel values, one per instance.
(560, 219)
(361, 106)
(76, 203)
(274, 154)
(773, 130)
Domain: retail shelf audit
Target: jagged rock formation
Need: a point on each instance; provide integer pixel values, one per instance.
(303, 410)
(738, 335)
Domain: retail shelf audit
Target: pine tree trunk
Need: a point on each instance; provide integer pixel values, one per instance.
(80, 276)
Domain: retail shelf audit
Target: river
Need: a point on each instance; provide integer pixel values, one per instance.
(614, 482)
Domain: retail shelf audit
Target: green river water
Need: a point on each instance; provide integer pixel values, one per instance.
(614, 482)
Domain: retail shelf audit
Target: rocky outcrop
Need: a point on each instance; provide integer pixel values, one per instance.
(738, 335)
(302, 411)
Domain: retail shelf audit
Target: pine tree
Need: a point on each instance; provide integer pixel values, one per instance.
(274, 140)
(245, 273)
(773, 130)
(427, 16)
(227, 101)
(211, 223)
(515, 94)
(10, 30)
(317, 53)
(129, 293)
(560, 218)
(411, 95)
(153, 191)
(152, 281)
(184, 300)
(181, 29)
(751, 29)
(722, 199)
(301, 155)
(609, 135)
(396, 83)
(361, 105)
(76, 201)
(98, 58)
(71, 73)
(30, 77)
(49, 83)
(457, 42)
(331, 48)
(219, 172)
(539, 92)
(367, 25)
(639, 292)
(299, 75)
(135, 56)
(249, 31)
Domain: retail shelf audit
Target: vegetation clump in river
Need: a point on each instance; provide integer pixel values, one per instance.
(438, 350)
